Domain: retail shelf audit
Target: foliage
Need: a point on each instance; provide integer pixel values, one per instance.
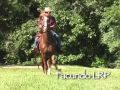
(20, 42)
(99, 62)
(89, 30)
(16, 12)
(70, 59)
(110, 27)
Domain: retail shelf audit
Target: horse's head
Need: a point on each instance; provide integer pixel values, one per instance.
(45, 24)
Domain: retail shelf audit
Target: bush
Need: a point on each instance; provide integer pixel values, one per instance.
(70, 59)
(32, 62)
(99, 62)
(20, 42)
(118, 64)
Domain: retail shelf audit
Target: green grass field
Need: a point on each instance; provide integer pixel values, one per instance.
(34, 79)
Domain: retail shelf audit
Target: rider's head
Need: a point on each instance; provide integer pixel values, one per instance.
(47, 11)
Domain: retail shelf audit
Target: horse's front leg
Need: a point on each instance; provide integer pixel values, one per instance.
(44, 63)
(43, 66)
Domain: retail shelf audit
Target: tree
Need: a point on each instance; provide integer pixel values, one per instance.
(110, 29)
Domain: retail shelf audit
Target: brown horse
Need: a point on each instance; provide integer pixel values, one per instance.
(47, 47)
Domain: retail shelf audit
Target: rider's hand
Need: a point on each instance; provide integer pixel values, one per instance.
(52, 26)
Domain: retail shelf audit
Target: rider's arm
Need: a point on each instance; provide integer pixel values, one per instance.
(53, 24)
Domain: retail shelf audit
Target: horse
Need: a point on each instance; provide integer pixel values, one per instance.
(47, 48)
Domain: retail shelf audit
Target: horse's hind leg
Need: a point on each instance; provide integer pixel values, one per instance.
(54, 62)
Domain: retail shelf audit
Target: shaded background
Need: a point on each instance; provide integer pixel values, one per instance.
(89, 29)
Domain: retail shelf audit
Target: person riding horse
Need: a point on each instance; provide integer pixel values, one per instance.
(52, 23)
(46, 41)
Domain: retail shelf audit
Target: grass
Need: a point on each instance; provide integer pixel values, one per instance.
(34, 79)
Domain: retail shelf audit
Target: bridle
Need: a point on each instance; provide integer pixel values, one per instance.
(45, 25)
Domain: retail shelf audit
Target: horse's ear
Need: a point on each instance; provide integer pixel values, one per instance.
(38, 9)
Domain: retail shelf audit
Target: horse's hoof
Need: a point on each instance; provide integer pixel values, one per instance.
(59, 71)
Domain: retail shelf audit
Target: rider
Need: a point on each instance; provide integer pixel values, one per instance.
(52, 22)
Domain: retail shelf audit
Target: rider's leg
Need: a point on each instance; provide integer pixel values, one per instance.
(57, 38)
(36, 42)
